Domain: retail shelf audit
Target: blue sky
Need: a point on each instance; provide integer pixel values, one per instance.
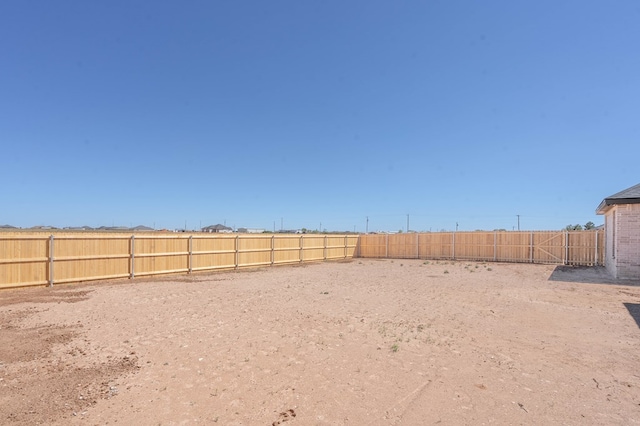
(255, 113)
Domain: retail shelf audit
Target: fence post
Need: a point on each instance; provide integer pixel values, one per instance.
(324, 251)
(453, 247)
(132, 250)
(595, 258)
(301, 248)
(346, 242)
(190, 259)
(273, 249)
(51, 260)
(566, 248)
(495, 246)
(235, 257)
(417, 245)
(531, 247)
(386, 248)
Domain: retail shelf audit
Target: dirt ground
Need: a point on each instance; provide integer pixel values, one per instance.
(365, 342)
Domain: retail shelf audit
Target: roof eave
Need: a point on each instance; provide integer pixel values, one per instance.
(602, 208)
(607, 203)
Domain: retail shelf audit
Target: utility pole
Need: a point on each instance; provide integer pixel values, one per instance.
(518, 221)
(407, 222)
(367, 229)
(456, 226)
(281, 223)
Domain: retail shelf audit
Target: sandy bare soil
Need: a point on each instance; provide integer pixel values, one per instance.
(366, 342)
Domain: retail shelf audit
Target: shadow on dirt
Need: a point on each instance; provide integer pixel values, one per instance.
(587, 274)
(634, 311)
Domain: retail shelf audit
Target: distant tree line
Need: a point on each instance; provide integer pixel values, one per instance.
(587, 226)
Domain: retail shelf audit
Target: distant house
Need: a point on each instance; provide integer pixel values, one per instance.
(7, 227)
(290, 231)
(250, 230)
(217, 228)
(622, 232)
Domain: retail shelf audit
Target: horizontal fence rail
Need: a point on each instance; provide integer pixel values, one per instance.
(551, 247)
(35, 259)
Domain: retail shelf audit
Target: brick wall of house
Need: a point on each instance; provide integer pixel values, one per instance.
(625, 250)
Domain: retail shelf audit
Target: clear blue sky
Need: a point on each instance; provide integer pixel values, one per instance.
(309, 112)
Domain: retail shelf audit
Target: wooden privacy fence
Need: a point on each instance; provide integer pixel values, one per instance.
(32, 259)
(555, 247)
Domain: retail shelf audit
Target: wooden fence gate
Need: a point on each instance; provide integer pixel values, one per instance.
(554, 247)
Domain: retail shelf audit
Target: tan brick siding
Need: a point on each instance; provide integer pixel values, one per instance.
(623, 254)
